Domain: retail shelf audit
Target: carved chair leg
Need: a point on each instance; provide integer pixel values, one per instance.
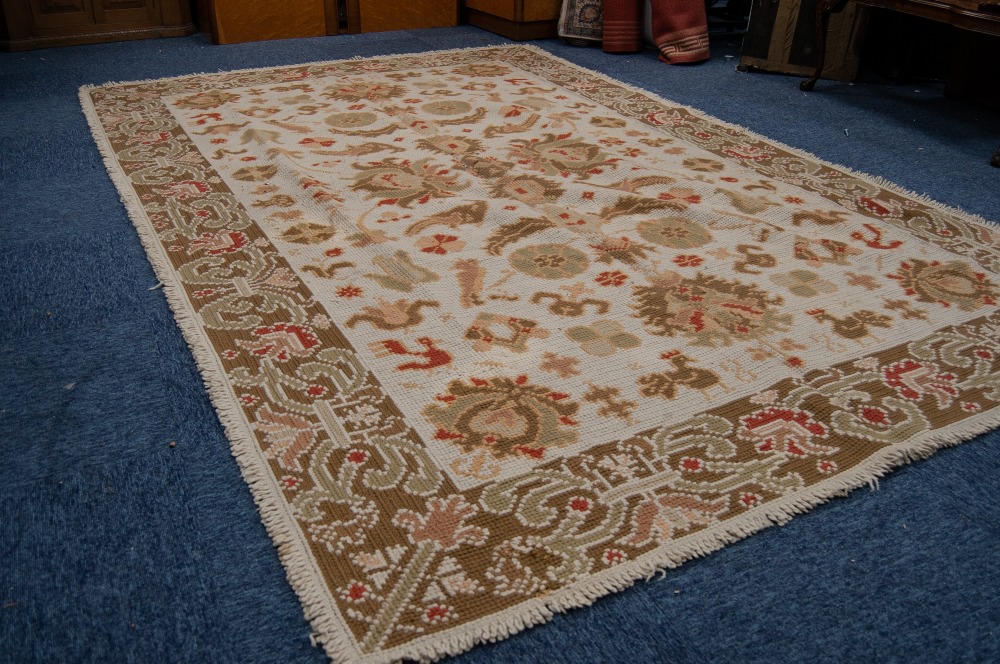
(995, 161)
(823, 10)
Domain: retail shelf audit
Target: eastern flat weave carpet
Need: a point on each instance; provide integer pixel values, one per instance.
(493, 335)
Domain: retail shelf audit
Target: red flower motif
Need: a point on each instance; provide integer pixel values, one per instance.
(225, 242)
(751, 499)
(355, 592)
(913, 380)
(290, 483)
(230, 354)
(440, 244)
(874, 206)
(826, 466)
(614, 556)
(971, 407)
(984, 354)
(688, 260)
(876, 416)
(794, 200)
(333, 253)
(357, 456)
(248, 399)
(349, 292)
(611, 278)
(579, 504)
(795, 362)
(784, 431)
(728, 179)
(692, 465)
(316, 390)
(436, 613)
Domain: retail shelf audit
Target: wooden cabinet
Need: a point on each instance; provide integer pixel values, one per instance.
(229, 21)
(27, 24)
(515, 19)
(382, 15)
(235, 21)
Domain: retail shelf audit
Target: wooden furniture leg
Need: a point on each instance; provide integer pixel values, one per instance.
(823, 10)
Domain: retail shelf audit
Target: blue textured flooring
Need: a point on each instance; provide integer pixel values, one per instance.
(115, 547)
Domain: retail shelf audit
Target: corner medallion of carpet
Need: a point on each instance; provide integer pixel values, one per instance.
(493, 335)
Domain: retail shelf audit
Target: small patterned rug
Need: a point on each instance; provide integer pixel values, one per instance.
(493, 335)
(581, 21)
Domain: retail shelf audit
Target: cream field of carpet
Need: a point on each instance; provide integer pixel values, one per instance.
(493, 335)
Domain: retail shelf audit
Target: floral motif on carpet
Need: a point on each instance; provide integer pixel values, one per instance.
(493, 335)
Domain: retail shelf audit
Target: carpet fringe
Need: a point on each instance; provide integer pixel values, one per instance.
(292, 547)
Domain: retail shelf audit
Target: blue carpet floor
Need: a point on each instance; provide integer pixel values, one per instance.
(115, 547)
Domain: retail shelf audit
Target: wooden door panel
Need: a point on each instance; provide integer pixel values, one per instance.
(61, 13)
(381, 15)
(127, 11)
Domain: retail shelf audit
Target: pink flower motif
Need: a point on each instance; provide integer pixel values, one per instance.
(281, 341)
(750, 152)
(185, 189)
(224, 242)
(914, 380)
(784, 431)
(443, 525)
